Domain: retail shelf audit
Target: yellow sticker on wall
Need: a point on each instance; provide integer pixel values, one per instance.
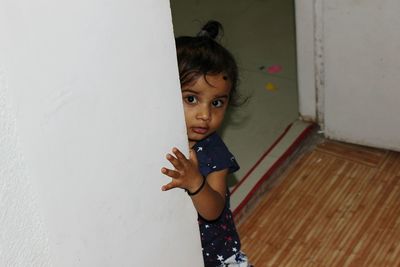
(271, 87)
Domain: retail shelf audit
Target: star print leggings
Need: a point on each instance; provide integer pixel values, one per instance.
(238, 260)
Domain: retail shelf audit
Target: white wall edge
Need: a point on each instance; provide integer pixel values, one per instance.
(306, 59)
(319, 61)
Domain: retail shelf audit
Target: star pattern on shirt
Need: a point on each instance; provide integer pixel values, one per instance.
(219, 238)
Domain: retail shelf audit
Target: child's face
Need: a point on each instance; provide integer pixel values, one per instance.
(205, 103)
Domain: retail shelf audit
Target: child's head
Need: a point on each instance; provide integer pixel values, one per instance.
(208, 75)
(202, 55)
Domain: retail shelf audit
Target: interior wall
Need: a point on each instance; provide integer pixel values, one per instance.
(355, 69)
(306, 61)
(361, 59)
(260, 34)
(23, 241)
(89, 106)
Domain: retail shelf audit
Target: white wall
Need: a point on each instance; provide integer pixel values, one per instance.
(362, 44)
(22, 237)
(356, 66)
(90, 94)
(305, 35)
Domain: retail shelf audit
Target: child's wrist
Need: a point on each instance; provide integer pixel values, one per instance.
(192, 192)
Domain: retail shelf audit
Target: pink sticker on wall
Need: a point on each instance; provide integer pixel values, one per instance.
(274, 69)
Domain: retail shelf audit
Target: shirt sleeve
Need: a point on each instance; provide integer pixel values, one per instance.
(221, 157)
(213, 155)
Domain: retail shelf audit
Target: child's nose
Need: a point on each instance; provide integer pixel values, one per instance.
(204, 113)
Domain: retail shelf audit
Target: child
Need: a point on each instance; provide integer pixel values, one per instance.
(208, 75)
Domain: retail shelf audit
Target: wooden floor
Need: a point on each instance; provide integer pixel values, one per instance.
(337, 205)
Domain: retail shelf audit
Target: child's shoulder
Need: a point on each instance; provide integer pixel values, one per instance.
(213, 153)
(212, 144)
(212, 140)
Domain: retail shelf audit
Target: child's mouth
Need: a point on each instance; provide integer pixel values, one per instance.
(200, 130)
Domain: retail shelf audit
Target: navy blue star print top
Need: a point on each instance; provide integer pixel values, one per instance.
(219, 238)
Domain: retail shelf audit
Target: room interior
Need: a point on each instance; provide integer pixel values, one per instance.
(85, 128)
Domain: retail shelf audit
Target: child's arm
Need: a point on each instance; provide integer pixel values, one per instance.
(210, 200)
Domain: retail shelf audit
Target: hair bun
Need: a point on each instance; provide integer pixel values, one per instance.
(211, 29)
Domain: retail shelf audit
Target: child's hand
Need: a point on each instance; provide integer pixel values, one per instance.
(186, 174)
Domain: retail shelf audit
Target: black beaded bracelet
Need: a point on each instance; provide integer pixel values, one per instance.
(198, 190)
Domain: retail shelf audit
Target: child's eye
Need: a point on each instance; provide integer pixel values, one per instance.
(218, 103)
(191, 99)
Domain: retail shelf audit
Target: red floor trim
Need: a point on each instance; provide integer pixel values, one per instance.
(273, 168)
(261, 159)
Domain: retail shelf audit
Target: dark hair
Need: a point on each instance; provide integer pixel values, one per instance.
(203, 55)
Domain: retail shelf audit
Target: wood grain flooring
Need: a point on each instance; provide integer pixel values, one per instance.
(336, 205)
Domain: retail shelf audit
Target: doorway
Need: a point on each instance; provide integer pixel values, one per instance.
(261, 35)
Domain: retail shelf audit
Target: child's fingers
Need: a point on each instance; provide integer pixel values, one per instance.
(193, 156)
(178, 154)
(168, 186)
(170, 173)
(174, 183)
(174, 161)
